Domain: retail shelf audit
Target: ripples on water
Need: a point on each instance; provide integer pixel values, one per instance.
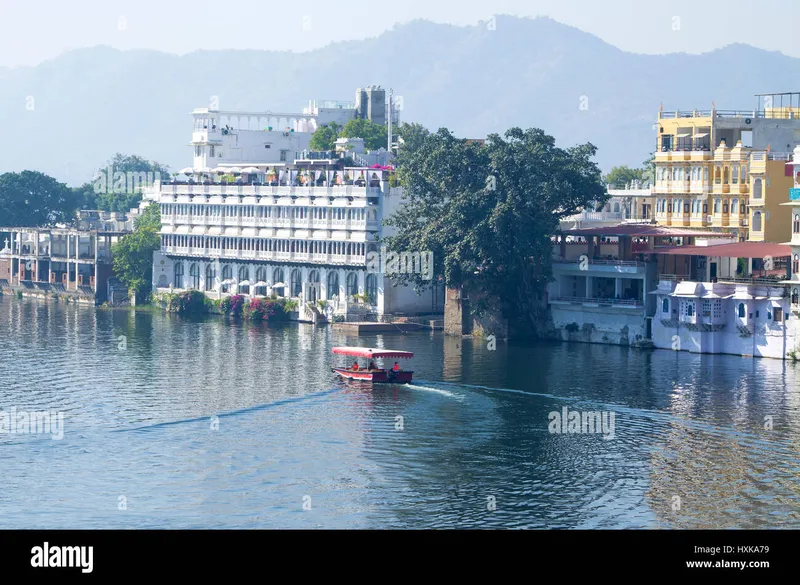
(474, 449)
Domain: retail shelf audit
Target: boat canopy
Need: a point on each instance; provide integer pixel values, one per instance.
(367, 352)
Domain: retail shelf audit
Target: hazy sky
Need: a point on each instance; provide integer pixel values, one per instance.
(34, 30)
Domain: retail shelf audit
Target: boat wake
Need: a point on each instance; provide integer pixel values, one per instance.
(436, 390)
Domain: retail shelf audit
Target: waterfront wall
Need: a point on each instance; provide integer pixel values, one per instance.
(598, 324)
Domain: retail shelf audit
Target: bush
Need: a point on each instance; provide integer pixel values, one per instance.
(338, 319)
(572, 327)
(269, 309)
(232, 305)
(191, 302)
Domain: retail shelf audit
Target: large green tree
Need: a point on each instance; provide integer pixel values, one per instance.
(31, 198)
(619, 177)
(117, 186)
(375, 135)
(325, 137)
(487, 212)
(133, 253)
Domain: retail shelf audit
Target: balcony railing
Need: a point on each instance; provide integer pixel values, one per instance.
(633, 303)
(350, 259)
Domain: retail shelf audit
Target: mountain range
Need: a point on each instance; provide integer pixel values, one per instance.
(69, 115)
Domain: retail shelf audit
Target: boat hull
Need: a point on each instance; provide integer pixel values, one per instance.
(375, 377)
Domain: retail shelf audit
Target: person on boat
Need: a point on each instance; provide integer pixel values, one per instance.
(372, 365)
(355, 366)
(396, 367)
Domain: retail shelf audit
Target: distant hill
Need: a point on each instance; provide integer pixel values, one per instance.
(90, 103)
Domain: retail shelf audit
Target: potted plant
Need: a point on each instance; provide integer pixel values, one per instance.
(347, 179)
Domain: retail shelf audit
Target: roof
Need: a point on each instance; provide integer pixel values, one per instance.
(368, 352)
(643, 230)
(736, 250)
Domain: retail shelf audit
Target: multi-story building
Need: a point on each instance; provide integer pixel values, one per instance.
(70, 261)
(703, 175)
(793, 205)
(770, 180)
(295, 225)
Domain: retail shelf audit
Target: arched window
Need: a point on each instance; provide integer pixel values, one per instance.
(689, 308)
(796, 224)
(278, 283)
(313, 276)
(757, 189)
(725, 207)
(227, 274)
(372, 288)
(352, 284)
(194, 276)
(665, 306)
(261, 276)
(717, 176)
(741, 311)
(179, 275)
(616, 208)
(794, 296)
(244, 276)
(211, 275)
(725, 176)
(333, 284)
(756, 221)
(796, 265)
(296, 284)
(735, 206)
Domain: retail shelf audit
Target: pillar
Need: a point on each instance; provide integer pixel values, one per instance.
(588, 287)
(590, 250)
(562, 246)
(618, 287)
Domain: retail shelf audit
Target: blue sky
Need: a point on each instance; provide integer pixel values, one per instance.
(34, 30)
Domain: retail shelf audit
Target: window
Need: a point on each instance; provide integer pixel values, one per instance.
(197, 151)
(705, 174)
(741, 311)
(757, 189)
(313, 276)
(352, 284)
(227, 274)
(194, 276)
(277, 281)
(296, 284)
(705, 208)
(796, 265)
(665, 306)
(372, 287)
(179, 275)
(333, 284)
(689, 308)
(717, 203)
(735, 206)
(211, 153)
(261, 276)
(686, 208)
(725, 207)
(795, 296)
(735, 175)
(244, 276)
(283, 155)
(756, 221)
(777, 314)
(796, 224)
(211, 274)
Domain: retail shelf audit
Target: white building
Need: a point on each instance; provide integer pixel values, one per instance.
(261, 217)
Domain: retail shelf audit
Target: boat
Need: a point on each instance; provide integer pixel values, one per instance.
(364, 356)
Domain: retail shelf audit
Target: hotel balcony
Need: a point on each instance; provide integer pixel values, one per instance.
(271, 223)
(632, 304)
(275, 256)
(603, 266)
(176, 189)
(207, 136)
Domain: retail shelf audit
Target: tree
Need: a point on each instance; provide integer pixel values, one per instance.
(325, 136)
(133, 253)
(486, 212)
(31, 198)
(118, 186)
(619, 177)
(375, 135)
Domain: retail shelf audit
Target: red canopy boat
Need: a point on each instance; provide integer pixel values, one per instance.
(363, 372)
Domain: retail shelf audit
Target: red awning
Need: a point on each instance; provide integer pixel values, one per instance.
(736, 250)
(368, 352)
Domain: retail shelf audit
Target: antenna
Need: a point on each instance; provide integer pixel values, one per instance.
(389, 121)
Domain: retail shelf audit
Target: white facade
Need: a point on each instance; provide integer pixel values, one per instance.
(306, 230)
(739, 319)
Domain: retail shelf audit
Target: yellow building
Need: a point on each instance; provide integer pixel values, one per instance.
(703, 174)
(769, 220)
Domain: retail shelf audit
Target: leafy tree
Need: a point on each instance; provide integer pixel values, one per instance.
(325, 136)
(31, 198)
(621, 176)
(118, 185)
(375, 135)
(486, 212)
(133, 253)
